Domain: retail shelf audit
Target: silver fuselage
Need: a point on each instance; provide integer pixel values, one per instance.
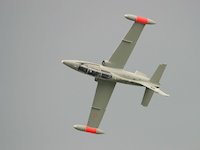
(107, 73)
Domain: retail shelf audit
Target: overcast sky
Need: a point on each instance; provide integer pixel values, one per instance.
(41, 99)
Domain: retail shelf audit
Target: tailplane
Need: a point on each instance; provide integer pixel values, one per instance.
(153, 86)
(147, 97)
(149, 93)
(155, 79)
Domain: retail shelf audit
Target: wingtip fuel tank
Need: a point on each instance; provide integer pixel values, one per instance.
(88, 129)
(139, 19)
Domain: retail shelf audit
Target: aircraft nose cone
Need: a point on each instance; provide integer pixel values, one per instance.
(70, 63)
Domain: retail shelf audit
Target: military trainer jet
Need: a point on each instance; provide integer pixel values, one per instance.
(111, 71)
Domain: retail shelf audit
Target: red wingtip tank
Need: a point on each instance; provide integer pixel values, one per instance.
(88, 129)
(139, 19)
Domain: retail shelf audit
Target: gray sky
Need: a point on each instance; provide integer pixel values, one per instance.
(41, 99)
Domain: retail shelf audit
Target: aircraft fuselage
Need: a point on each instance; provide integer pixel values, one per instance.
(107, 73)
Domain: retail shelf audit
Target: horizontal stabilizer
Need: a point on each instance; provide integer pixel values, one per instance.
(158, 74)
(149, 93)
(147, 97)
(88, 129)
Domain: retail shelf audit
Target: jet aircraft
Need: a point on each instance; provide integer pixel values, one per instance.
(111, 71)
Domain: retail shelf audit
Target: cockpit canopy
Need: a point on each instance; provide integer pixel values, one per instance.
(93, 72)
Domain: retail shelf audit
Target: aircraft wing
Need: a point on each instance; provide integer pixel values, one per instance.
(102, 96)
(103, 93)
(122, 53)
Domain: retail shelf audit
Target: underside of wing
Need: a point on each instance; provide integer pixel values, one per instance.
(102, 96)
(122, 53)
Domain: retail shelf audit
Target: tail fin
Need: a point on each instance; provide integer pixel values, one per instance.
(158, 74)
